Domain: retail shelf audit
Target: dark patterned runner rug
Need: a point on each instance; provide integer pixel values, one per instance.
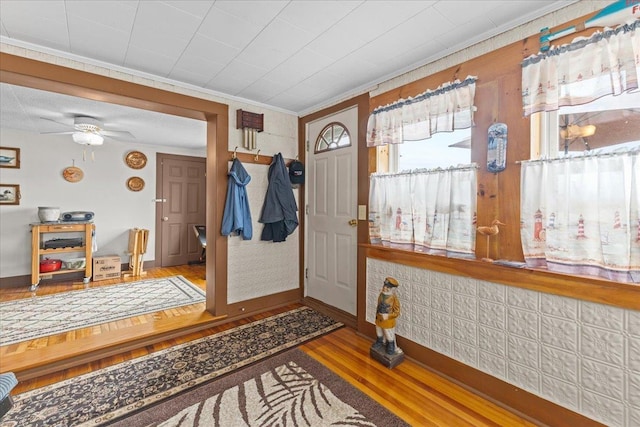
(289, 389)
(98, 397)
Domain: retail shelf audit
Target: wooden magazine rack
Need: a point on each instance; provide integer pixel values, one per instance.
(138, 238)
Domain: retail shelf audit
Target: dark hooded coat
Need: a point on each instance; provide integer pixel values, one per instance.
(279, 209)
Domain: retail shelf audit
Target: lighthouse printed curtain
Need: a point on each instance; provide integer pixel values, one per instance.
(588, 68)
(582, 215)
(427, 211)
(445, 109)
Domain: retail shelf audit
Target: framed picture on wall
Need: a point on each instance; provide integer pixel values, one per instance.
(9, 157)
(9, 194)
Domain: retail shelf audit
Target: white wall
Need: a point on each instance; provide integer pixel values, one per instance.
(103, 191)
(581, 355)
(256, 268)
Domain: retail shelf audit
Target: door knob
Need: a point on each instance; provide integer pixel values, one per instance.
(353, 222)
(165, 218)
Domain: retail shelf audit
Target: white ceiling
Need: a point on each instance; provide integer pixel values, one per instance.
(295, 56)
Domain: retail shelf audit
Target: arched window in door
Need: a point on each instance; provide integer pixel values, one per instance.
(332, 137)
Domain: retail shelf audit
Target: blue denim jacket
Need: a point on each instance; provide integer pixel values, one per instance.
(237, 217)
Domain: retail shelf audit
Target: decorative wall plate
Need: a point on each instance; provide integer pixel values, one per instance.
(136, 160)
(135, 183)
(73, 174)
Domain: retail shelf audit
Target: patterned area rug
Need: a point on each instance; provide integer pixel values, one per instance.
(41, 316)
(99, 397)
(290, 389)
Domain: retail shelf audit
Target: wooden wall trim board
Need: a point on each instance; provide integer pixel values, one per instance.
(583, 288)
(257, 158)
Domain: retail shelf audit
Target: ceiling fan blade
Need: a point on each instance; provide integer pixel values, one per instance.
(58, 133)
(67, 125)
(465, 143)
(117, 134)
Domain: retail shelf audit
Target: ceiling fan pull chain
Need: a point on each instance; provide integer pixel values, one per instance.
(84, 154)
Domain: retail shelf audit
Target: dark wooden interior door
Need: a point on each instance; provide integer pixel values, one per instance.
(181, 206)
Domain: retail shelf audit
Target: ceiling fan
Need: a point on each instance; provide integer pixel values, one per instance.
(573, 131)
(87, 130)
(577, 131)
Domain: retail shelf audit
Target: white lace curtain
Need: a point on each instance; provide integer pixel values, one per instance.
(588, 68)
(582, 215)
(445, 109)
(425, 211)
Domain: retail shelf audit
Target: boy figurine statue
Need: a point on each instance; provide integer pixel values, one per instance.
(387, 310)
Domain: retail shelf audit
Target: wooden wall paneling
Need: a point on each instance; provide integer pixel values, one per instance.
(498, 93)
(487, 103)
(363, 199)
(518, 143)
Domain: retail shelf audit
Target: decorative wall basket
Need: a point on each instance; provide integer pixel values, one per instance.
(135, 183)
(136, 160)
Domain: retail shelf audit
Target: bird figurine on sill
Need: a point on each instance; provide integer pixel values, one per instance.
(489, 231)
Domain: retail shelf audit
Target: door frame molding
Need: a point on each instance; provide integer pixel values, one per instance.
(363, 153)
(22, 71)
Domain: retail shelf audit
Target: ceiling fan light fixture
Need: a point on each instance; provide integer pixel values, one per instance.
(575, 131)
(87, 138)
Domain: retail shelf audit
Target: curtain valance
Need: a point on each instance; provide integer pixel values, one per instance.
(606, 63)
(445, 109)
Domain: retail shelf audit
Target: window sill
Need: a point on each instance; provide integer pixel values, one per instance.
(624, 295)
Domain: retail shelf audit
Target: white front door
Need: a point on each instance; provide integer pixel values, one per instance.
(332, 207)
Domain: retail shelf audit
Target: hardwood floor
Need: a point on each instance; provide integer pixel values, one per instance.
(412, 392)
(50, 354)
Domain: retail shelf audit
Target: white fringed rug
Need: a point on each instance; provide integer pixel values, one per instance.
(40, 316)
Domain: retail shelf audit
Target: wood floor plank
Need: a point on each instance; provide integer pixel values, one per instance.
(384, 385)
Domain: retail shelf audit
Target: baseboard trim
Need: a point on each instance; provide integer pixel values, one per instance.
(259, 305)
(528, 405)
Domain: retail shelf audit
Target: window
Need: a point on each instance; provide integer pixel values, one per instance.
(442, 150)
(608, 124)
(333, 136)
(580, 215)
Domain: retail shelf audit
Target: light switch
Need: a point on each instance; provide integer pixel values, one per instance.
(362, 212)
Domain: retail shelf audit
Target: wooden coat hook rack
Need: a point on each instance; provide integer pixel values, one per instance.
(257, 158)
